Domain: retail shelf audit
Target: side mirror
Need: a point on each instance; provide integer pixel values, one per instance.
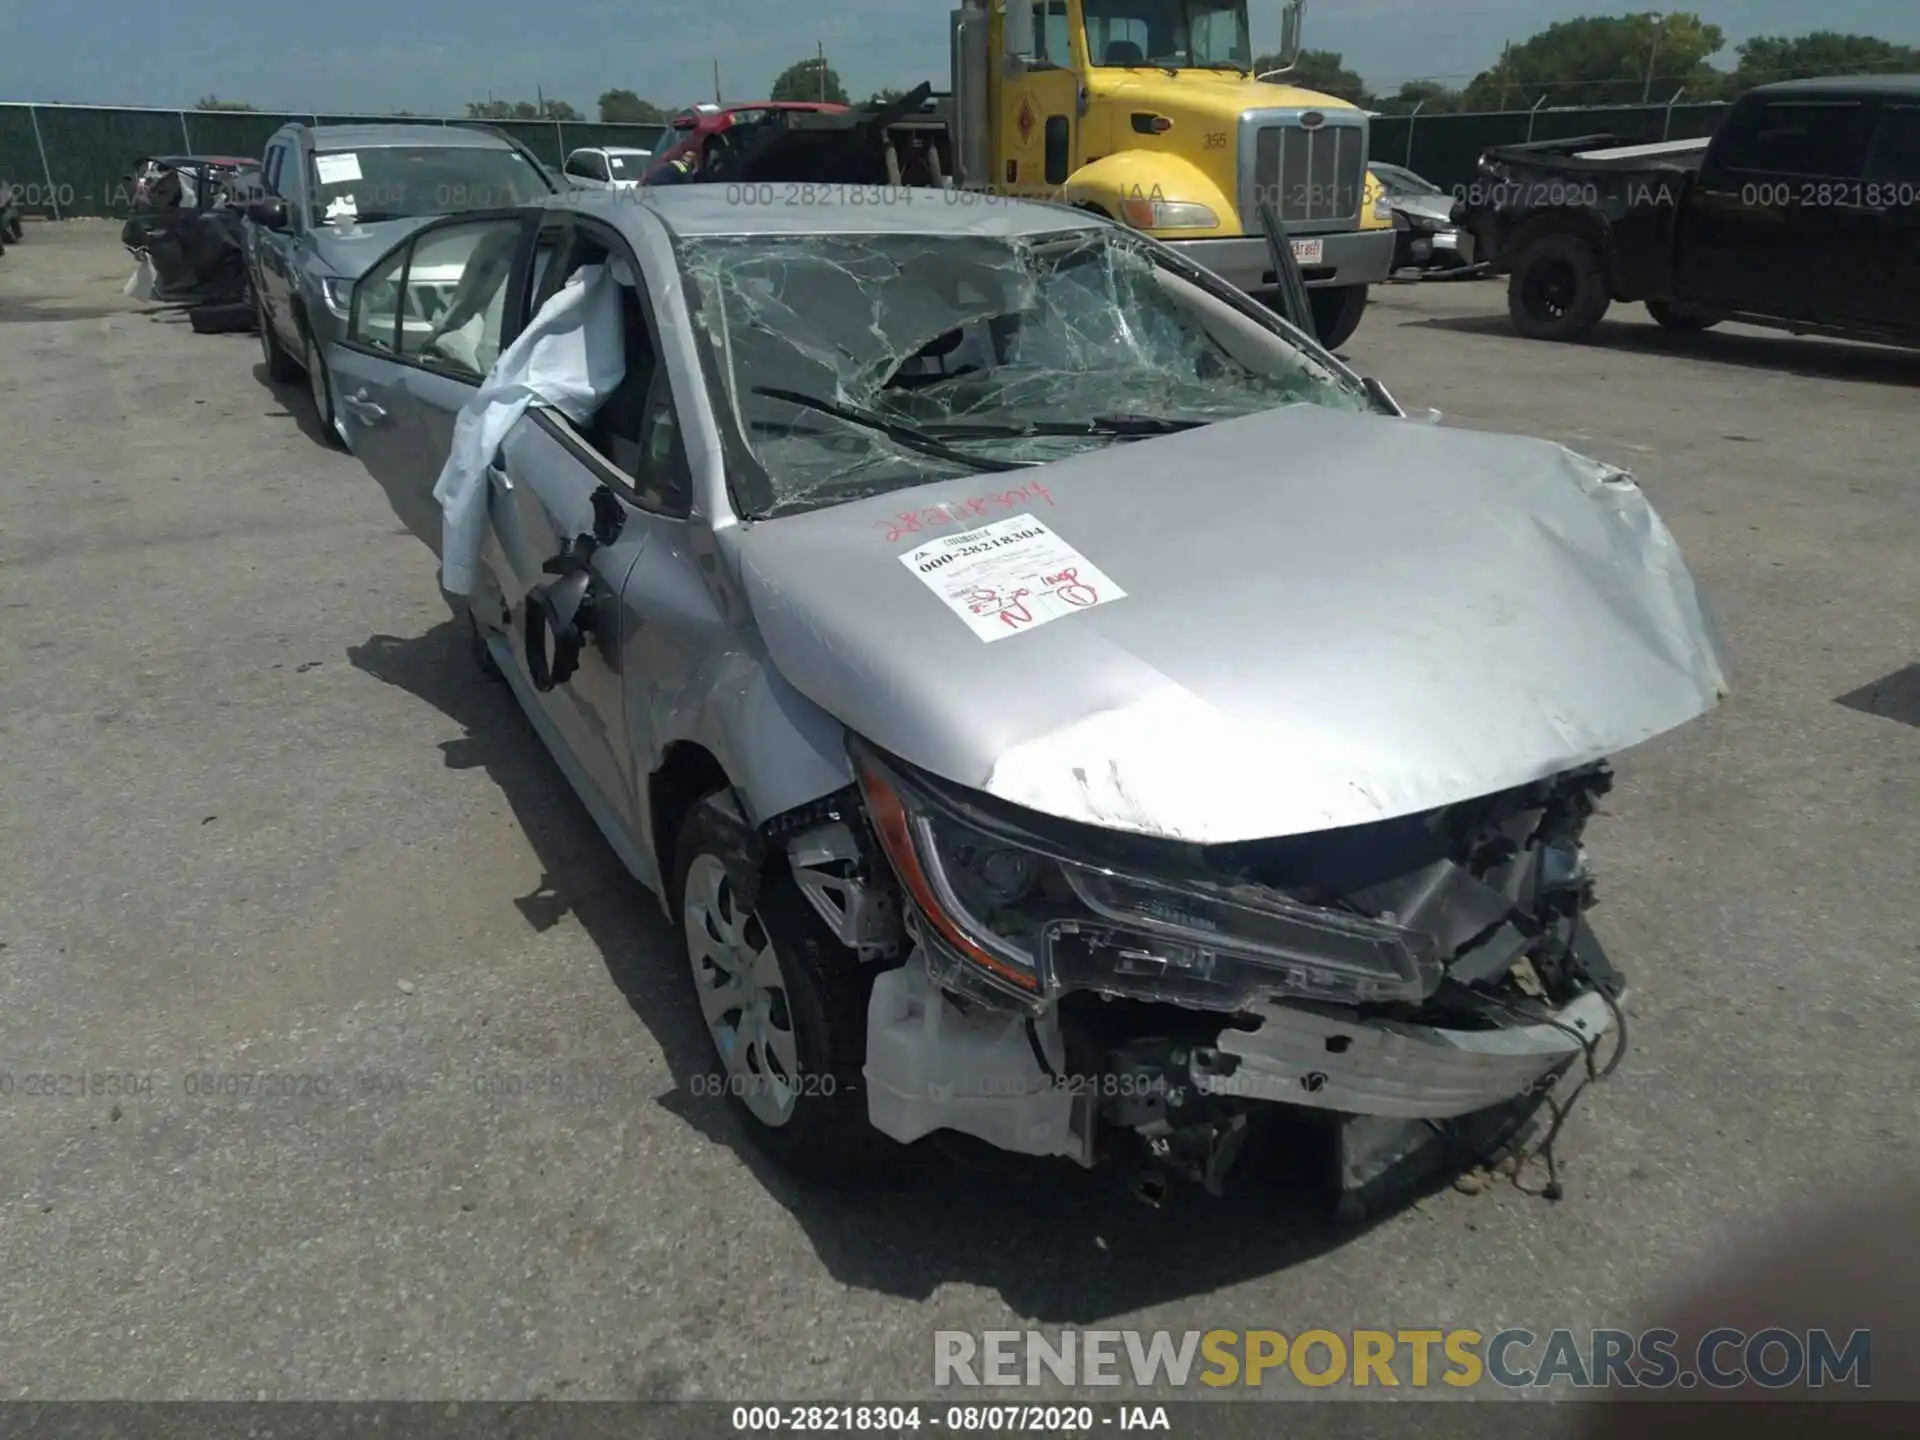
(270, 213)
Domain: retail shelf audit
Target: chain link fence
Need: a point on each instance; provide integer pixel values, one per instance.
(69, 160)
(72, 160)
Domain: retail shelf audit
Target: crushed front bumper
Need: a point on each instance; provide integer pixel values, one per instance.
(1395, 1068)
(1358, 257)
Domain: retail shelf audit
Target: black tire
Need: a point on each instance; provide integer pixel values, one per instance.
(1336, 313)
(320, 389)
(1558, 290)
(1679, 318)
(281, 367)
(825, 989)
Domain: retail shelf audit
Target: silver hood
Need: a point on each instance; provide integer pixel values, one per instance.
(1328, 619)
(1429, 210)
(347, 250)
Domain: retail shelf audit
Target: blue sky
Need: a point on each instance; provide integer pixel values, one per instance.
(431, 56)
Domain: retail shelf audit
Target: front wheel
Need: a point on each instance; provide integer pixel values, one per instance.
(1558, 290)
(1336, 313)
(784, 1003)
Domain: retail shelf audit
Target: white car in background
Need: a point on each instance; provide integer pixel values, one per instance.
(607, 167)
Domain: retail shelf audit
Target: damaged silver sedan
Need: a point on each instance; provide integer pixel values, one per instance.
(1059, 702)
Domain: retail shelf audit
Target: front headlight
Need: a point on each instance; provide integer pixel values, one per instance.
(339, 294)
(1036, 922)
(1382, 207)
(1146, 213)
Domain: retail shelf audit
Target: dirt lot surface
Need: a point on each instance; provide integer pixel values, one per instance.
(262, 818)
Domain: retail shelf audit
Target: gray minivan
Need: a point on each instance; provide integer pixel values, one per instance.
(337, 198)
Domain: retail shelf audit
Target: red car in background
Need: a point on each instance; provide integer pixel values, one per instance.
(708, 134)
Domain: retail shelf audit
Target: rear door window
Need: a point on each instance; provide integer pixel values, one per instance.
(1819, 139)
(1893, 157)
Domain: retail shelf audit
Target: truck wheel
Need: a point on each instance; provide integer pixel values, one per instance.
(1680, 318)
(1558, 290)
(1336, 313)
(784, 1003)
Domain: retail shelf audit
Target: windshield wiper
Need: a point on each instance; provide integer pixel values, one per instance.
(910, 436)
(1232, 65)
(1124, 426)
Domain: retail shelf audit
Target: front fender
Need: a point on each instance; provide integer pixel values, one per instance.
(1156, 175)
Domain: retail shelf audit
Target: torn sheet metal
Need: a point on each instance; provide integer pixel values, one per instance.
(1010, 576)
(1331, 619)
(571, 356)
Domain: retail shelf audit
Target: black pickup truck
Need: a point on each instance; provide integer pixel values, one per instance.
(1802, 213)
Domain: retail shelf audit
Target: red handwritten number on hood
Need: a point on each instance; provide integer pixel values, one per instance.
(1069, 587)
(953, 512)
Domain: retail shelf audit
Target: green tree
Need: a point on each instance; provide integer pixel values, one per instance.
(1429, 97)
(1604, 60)
(521, 110)
(623, 107)
(1321, 70)
(802, 80)
(1824, 52)
(214, 102)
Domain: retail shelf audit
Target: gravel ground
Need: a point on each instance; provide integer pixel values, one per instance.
(260, 817)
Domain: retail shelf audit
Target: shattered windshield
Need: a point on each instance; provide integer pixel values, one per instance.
(859, 364)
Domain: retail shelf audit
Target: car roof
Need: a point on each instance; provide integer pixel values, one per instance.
(375, 137)
(698, 211)
(1906, 86)
(609, 150)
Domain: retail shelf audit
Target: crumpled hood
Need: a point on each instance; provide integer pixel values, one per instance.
(347, 250)
(1328, 619)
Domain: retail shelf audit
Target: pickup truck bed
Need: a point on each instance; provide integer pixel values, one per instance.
(1802, 213)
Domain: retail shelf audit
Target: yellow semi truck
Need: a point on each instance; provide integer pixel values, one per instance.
(1150, 112)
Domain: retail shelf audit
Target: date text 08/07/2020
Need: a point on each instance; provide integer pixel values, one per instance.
(957, 1419)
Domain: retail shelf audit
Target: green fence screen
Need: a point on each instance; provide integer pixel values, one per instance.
(73, 159)
(69, 160)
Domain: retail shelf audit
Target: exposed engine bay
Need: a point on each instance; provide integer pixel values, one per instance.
(1055, 989)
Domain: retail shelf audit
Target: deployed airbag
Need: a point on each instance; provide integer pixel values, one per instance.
(571, 356)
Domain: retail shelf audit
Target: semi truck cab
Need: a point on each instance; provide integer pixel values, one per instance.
(1150, 112)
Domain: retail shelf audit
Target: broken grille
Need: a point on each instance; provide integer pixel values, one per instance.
(1315, 177)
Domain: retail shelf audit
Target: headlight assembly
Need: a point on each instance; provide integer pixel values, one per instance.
(1147, 213)
(1034, 921)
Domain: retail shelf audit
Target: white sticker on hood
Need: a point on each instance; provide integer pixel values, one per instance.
(336, 168)
(1010, 576)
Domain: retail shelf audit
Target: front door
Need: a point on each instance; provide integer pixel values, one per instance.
(1039, 123)
(425, 325)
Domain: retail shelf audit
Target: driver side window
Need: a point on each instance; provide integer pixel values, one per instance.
(454, 308)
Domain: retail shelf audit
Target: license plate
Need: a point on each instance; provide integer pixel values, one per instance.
(1308, 252)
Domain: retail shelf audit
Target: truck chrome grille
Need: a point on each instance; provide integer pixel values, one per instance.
(1316, 177)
